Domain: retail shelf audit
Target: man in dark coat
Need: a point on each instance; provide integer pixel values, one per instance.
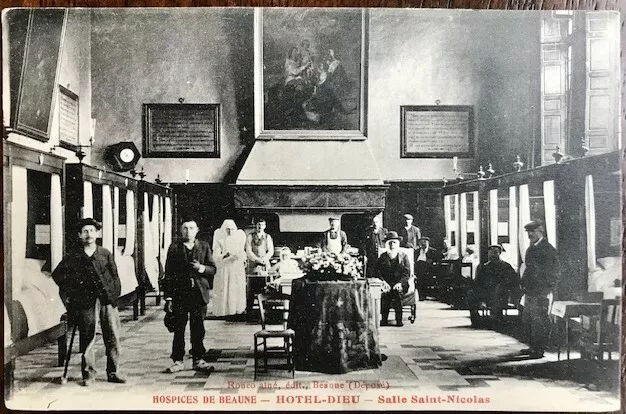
(495, 282)
(90, 286)
(374, 244)
(189, 272)
(425, 256)
(394, 269)
(410, 234)
(538, 280)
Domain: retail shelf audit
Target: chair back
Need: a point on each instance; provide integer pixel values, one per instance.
(273, 308)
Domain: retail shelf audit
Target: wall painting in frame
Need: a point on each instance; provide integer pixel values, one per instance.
(310, 73)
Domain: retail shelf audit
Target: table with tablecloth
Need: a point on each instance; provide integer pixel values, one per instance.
(335, 326)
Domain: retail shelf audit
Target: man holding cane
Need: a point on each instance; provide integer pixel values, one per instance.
(189, 273)
(394, 269)
(90, 286)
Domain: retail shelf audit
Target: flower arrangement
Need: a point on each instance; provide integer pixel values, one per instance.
(331, 266)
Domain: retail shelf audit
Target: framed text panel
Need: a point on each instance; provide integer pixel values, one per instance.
(440, 131)
(68, 119)
(181, 130)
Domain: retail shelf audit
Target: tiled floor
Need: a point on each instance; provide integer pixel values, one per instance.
(438, 363)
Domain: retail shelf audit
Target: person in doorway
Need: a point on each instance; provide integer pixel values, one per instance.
(230, 281)
(394, 269)
(189, 273)
(374, 244)
(410, 234)
(539, 279)
(90, 286)
(495, 281)
(334, 240)
(425, 257)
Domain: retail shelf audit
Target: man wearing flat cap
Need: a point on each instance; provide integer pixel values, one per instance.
(539, 279)
(90, 286)
(425, 256)
(394, 269)
(495, 282)
(334, 240)
(410, 234)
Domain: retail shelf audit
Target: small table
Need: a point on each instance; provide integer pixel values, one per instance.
(335, 326)
(567, 309)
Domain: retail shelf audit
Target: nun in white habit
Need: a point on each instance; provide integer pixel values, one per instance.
(229, 286)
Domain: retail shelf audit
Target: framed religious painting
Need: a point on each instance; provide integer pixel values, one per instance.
(440, 131)
(310, 73)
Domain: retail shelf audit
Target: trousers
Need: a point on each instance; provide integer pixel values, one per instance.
(389, 299)
(192, 310)
(87, 320)
(535, 317)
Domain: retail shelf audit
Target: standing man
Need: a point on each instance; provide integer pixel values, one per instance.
(334, 240)
(425, 256)
(259, 249)
(394, 269)
(538, 280)
(90, 286)
(410, 234)
(189, 272)
(374, 244)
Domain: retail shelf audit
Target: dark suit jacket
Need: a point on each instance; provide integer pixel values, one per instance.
(410, 237)
(342, 236)
(80, 285)
(178, 271)
(542, 269)
(392, 272)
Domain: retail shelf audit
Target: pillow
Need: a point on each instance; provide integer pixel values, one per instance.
(608, 262)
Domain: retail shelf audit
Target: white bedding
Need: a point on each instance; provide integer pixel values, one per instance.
(603, 277)
(39, 296)
(126, 271)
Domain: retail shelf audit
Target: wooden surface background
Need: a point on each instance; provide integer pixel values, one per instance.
(451, 4)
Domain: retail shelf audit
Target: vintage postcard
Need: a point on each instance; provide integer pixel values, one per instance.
(333, 209)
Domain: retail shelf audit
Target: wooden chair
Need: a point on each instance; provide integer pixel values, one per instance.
(273, 308)
(600, 334)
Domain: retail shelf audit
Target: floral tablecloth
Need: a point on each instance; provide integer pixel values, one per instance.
(335, 326)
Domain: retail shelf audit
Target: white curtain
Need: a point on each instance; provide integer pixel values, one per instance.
(524, 218)
(149, 255)
(107, 218)
(493, 216)
(590, 208)
(56, 221)
(116, 219)
(167, 231)
(131, 223)
(446, 218)
(156, 225)
(550, 209)
(476, 224)
(19, 217)
(87, 199)
(514, 254)
(457, 235)
(463, 222)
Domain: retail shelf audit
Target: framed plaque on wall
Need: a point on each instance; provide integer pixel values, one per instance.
(440, 131)
(181, 130)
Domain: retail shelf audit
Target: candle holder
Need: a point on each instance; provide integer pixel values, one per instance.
(557, 155)
(518, 164)
(490, 170)
(584, 148)
(158, 179)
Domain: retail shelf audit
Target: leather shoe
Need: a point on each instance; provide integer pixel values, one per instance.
(87, 381)
(399, 323)
(384, 323)
(116, 379)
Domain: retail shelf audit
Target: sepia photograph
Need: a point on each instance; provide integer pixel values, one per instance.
(312, 209)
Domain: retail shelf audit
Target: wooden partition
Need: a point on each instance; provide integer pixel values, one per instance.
(84, 184)
(29, 323)
(555, 193)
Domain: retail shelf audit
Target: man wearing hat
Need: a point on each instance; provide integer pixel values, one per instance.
(425, 256)
(334, 240)
(495, 282)
(90, 286)
(410, 234)
(538, 280)
(394, 269)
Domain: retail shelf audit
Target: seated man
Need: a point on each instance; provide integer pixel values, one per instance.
(495, 281)
(425, 256)
(394, 269)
